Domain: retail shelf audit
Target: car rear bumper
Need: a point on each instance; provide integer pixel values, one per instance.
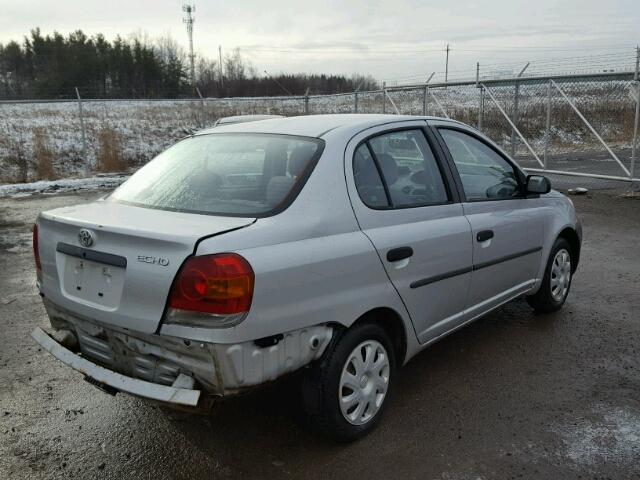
(122, 383)
(121, 356)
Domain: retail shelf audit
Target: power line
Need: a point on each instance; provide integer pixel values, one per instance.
(414, 48)
(574, 64)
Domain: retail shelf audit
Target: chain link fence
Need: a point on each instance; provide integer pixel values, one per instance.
(578, 125)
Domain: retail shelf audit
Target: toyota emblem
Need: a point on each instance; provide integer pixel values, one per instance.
(85, 237)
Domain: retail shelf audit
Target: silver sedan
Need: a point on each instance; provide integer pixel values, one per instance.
(341, 245)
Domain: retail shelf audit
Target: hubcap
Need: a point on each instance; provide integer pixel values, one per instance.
(560, 275)
(364, 382)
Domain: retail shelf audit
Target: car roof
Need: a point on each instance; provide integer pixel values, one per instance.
(314, 125)
(244, 118)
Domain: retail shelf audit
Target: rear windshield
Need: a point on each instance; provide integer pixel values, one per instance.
(224, 174)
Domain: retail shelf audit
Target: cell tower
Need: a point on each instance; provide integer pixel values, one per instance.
(189, 9)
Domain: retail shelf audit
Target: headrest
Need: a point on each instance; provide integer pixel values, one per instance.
(299, 159)
(278, 188)
(389, 167)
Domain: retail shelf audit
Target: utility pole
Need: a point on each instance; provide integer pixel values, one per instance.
(446, 66)
(189, 9)
(221, 74)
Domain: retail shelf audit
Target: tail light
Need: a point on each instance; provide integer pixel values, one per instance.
(211, 291)
(36, 251)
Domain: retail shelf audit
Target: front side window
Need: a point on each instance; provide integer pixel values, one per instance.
(485, 175)
(223, 174)
(408, 167)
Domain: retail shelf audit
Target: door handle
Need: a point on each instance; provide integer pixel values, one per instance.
(400, 253)
(484, 235)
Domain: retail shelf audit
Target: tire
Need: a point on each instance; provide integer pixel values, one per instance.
(557, 279)
(326, 384)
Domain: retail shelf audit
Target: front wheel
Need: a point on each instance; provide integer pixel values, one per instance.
(346, 391)
(557, 279)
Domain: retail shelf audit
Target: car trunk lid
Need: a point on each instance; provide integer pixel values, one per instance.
(115, 263)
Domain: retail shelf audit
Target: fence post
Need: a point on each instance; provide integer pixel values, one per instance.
(355, 102)
(424, 100)
(306, 102)
(547, 127)
(202, 105)
(87, 164)
(481, 108)
(516, 96)
(634, 143)
(426, 94)
(481, 99)
(384, 97)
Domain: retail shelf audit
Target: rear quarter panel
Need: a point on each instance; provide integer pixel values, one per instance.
(312, 264)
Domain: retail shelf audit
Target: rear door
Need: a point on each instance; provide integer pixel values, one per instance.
(507, 228)
(403, 200)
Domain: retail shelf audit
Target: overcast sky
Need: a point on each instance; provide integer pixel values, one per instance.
(393, 39)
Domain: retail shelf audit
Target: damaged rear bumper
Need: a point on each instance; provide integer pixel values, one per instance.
(153, 365)
(122, 383)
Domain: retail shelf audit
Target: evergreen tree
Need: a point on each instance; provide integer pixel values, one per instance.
(51, 66)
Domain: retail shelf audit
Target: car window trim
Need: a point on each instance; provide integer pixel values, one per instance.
(443, 165)
(387, 193)
(451, 193)
(458, 180)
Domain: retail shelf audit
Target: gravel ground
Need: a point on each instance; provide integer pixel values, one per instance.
(511, 396)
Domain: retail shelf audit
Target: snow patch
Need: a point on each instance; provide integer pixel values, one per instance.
(612, 435)
(19, 190)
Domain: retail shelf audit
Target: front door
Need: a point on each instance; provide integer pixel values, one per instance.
(507, 228)
(404, 203)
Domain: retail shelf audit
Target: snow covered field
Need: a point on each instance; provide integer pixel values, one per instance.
(18, 190)
(44, 140)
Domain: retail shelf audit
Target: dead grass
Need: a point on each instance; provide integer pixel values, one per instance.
(13, 142)
(43, 155)
(110, 156)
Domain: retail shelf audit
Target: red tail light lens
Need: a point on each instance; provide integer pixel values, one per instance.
(214, 284)
(36, 251)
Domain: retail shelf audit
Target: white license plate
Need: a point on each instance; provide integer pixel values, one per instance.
(93, 282)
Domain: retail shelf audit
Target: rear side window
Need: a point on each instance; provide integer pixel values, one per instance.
(485, 175)
(367, 179)
(224, 174)
(410, 173)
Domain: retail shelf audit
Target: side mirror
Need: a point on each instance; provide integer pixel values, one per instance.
(538, 185)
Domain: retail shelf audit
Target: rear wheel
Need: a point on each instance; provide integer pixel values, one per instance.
(557, 279)
(347, 390)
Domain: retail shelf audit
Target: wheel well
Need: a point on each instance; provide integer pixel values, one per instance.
(393, 325)
(570, 235)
